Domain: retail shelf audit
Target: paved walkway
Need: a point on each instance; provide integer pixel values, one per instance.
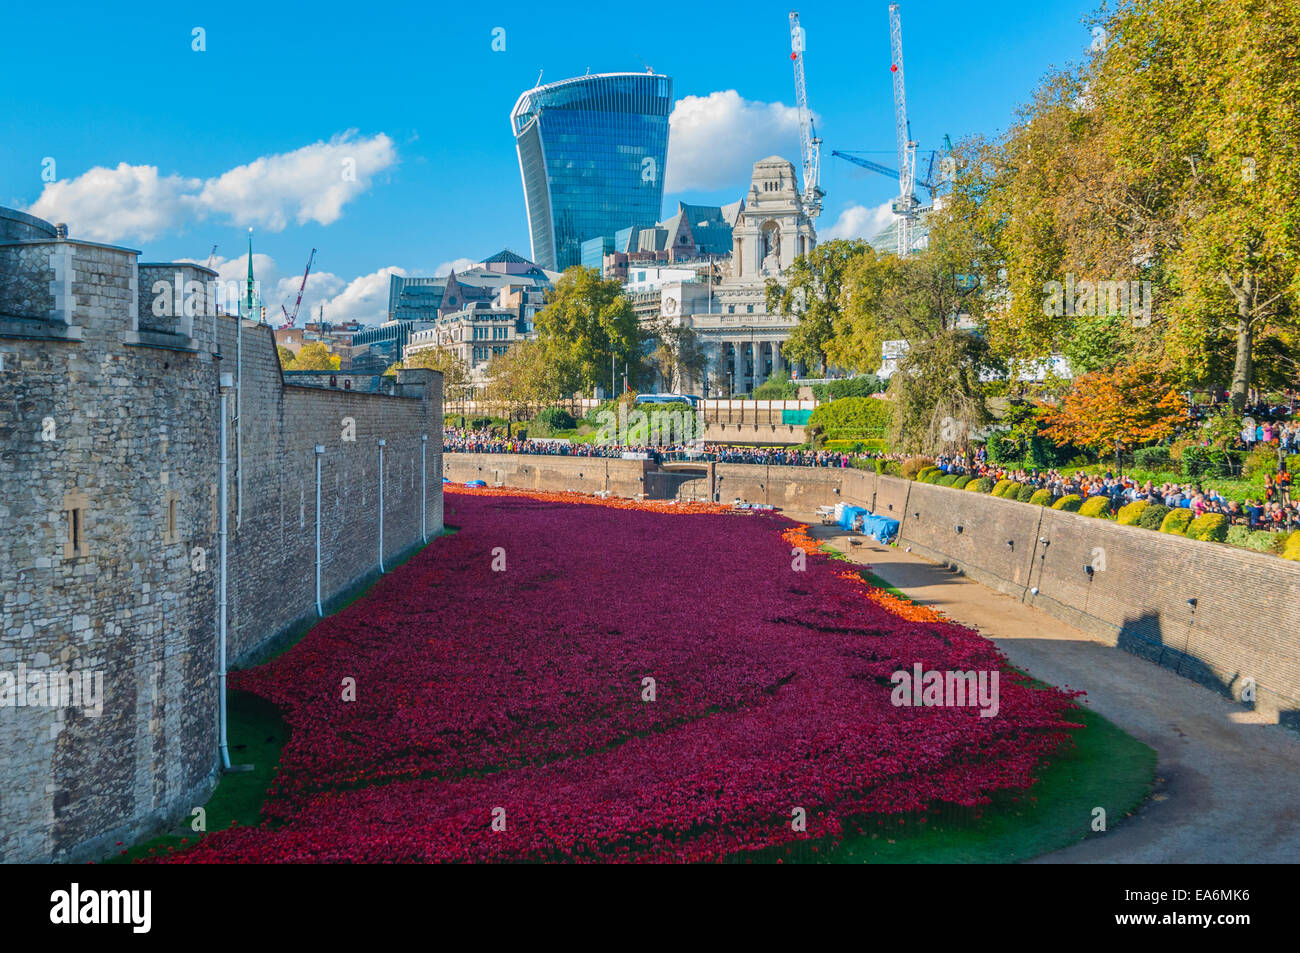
(1228, 787)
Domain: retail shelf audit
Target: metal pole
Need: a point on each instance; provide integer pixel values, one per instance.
(239, 421)
(381, 504)
(320, 452)
(424, 444)
(225, 384)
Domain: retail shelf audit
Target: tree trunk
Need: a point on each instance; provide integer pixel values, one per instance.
(1242, 368)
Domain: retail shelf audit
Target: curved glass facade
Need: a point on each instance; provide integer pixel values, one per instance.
(591, 152)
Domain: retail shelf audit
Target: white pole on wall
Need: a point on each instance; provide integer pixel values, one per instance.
(239, 420)
(381, 504)
(225, 385)
(424, 445)
(320, 452)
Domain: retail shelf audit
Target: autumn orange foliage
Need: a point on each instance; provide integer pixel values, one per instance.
(1130, 406)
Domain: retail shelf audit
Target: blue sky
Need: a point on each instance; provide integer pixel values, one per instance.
(162, 148)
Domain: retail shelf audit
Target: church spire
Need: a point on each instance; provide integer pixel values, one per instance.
(248, 305)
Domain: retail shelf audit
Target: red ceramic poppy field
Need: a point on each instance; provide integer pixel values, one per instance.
(461, 712)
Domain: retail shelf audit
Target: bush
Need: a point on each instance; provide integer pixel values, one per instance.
(862, 386)
(880, 465)
(1238, 536)
(1025, 493)
(1261, 460)
(1291, 548)
(1153, 516)
(1041, 497)
(552, 419)
(853, 418)
(1129, 512)
(871, 445)
(980, 485)
(1200, 462)
(1097, 507)
(947, 479)
(914, 465)
(1152, 458)
(1176, 521)
(1070, 503)
(1262, 540)
(1001, 486)
(1210, 527)
(777, 387)
(961, 481)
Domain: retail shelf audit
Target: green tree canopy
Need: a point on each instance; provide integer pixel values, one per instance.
(587, 324)
(812, 290)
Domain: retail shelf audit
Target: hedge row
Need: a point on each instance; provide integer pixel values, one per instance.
(1176, 521)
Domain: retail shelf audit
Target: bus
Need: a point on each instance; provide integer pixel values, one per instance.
(668, 399)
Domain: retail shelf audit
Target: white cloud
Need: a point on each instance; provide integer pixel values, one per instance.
(714, 140)
(459, 264)
(311, 184)
(859, 221)
(111, 204)
(363, 299)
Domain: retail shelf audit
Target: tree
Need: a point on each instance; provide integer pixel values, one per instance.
(1203, 97)
(938, 393)
(587, 324)
(456, 381)
(678, 354)
(1169, 160)
(1134, 404)
(778, 386)
(523, 378)
(914, 299)
(812, 291)
(315, 356)
(286, 355)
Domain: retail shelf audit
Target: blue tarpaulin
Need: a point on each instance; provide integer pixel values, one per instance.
(864, 521)
(850, 516)
(879, 527)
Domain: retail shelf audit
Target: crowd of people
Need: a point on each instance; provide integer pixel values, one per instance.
(1275, 510)
(456, 440)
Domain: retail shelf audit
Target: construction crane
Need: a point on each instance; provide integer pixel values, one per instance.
(212, 257)
(810, 145)
(927, 183)
(289, 319)
(905, 206)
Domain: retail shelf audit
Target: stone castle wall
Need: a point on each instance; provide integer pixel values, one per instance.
(116, 419)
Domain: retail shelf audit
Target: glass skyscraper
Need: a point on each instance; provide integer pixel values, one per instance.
(591, 152)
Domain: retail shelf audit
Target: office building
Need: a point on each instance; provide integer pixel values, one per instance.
(592, 152)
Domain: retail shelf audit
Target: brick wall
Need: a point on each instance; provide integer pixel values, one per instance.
(550, 473)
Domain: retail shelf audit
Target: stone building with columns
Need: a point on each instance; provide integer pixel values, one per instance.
(741, 340)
